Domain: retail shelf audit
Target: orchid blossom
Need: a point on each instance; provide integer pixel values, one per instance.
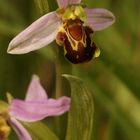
(70, 25)
(36, 107)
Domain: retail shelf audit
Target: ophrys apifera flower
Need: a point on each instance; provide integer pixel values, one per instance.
(71, 25)
(35, 107)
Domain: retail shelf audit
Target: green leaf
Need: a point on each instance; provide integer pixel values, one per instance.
(39, 131)
(80, 118)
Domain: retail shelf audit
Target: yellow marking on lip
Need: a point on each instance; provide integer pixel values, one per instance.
(75, 47)
(97, 52)
(73, 43)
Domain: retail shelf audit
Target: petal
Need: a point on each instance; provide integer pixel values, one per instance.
(74, 1)
(65, 3)
(37, 35)
(34, 111)
(35, 91)
(62, 3)
(21, 132)
(99, 19)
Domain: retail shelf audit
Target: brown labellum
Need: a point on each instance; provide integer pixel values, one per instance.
(76, 41)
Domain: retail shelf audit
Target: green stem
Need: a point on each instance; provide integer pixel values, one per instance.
(58, 79)
(42, 6)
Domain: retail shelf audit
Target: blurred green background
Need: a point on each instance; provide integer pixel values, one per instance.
(113, 78)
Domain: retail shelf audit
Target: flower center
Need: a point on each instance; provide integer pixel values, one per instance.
(72, 12)
(75, 36)
(4, 129)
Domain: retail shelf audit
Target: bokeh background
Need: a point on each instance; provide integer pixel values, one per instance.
(113, 78)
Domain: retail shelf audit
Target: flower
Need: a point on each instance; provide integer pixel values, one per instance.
(35, 107)
(71, 25)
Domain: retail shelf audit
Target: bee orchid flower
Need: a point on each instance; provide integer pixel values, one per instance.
(35, 107)
(71, 25)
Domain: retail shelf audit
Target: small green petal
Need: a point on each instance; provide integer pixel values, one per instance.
(73, 12)
(9, 97)
(79, 11)
(3, 107)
